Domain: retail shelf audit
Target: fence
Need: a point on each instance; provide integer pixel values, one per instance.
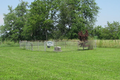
(32, 45)
(42, 45)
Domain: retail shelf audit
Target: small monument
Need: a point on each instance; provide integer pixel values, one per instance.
(57, 48)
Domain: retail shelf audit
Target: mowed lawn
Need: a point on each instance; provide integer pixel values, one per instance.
(98, 64)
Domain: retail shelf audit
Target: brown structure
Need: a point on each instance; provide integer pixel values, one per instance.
(83, 38)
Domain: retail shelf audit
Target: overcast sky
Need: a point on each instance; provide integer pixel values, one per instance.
(109, 10)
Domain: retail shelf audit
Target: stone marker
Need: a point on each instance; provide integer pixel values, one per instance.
(57, 48)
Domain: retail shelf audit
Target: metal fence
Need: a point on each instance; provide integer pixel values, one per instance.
(42, 45)
(32, 45)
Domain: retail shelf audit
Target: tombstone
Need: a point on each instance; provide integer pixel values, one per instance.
(57, 48)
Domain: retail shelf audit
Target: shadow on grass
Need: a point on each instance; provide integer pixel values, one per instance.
(62, 50)
(82, 49)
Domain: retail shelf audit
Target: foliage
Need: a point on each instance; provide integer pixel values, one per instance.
(8, 43)
(110, 31)
(39, 24)
(45, 19)
(14, 22)
(76, 15)
(91, 43)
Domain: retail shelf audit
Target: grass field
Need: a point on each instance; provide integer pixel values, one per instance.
(98, 64)
(108, 43)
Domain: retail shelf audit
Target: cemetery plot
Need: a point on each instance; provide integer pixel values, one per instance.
(49, 45)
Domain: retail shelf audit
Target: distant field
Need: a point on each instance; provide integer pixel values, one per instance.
(98, 64)
(108, 43)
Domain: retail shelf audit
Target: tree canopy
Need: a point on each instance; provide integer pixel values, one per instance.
(45, 19)
(110, 31)
(14, 22)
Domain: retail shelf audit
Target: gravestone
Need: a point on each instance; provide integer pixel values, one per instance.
(57, 48)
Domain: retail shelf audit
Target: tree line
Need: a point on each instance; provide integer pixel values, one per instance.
(50, 19)
(110, 31)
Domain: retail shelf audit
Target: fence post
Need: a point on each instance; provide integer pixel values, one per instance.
(56, 43)
(20, 43)
(1, 41)
(78, 44)
(26, 45)
(95, 44)
(65, 44)
(31, 46)
(38, 45)
(45, 45)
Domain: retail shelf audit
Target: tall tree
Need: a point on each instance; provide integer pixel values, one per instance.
(21, 12)
(77, 15)
(39, 24)
(14, 22)
(9, 22)
(47, 18)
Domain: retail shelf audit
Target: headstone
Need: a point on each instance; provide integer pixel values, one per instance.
(57, 48)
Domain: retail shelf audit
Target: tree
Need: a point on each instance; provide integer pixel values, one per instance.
(113, 29)
(9, 21)
(76, 15)
(47, 18)
(39, 24)
(14, 22)
(98, 32)
(21, 12)
(110, 31)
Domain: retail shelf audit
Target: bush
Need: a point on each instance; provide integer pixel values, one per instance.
(9, 43)
(90, 43)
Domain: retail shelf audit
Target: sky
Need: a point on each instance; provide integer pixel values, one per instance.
(109, 10)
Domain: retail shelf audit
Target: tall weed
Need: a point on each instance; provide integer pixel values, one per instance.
(108, 43)
(8, 43)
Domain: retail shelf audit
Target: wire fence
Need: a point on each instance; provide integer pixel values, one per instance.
(42, 45)
(32, 45)
(64, 44)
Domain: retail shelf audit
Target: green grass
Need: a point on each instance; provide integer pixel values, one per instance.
(98, 64)
(108, 43)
